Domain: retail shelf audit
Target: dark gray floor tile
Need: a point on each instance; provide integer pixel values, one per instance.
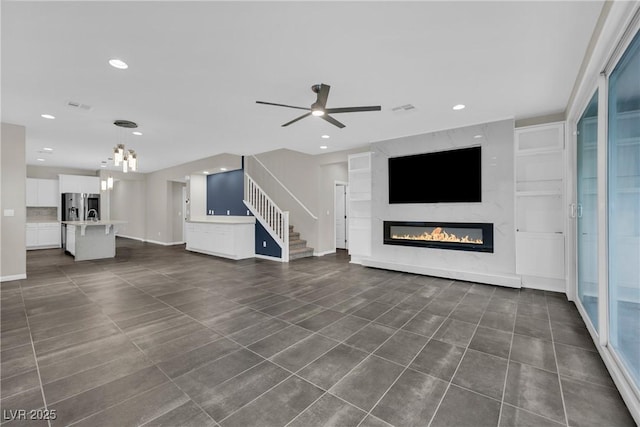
(19, 383)
(366, 383)
(198, 357)
(277, 342)
(96, 399)
(402, 347)
(574, 335)
(258, 331)
(512, 417)
(476, 299)
(200, 384)
(139, 409)
(532, 327)
(372, 421)
(329, 411)
(27, 400)
(455, 332)
(184, 296)
(501, 321)
(397, 316)
(232, 395)
(535, 390)
(332, 366)
(157, 338)
(439, 359)
(497, 304)
(15, 338)
(584, 365)
(533, 351)
(412, 400)
(537, 311)
(593, 405)
(467, 313)
(51, 345)
(267, 302)
(303, 352)
(66, 301)
(372, 311)
(464, 408)
(491, 341)
(278, 309)
(184, 344)
(239, 322)
(186, 415)
(424, 323)
(301, 313)
(482, 373)
(370, 337)
(344, 328)
(17, 360)
(291, 397)
(86, 380)
(440, 306)
(320, 320)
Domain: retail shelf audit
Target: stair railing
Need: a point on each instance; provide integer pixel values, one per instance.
(274, 219)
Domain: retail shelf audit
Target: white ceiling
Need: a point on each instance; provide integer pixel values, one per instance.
(197, 68)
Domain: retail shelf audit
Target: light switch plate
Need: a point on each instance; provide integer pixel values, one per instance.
(9, 212)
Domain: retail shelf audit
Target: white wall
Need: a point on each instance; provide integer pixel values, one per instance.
(13, 254)
(497, 206)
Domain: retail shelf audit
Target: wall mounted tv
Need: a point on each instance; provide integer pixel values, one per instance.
(452, 176)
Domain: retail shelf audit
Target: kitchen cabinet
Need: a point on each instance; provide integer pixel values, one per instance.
(43, 235)
(79, 184)
(42, 192)
(225, 236)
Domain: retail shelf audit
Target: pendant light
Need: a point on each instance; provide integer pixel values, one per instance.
(128, 159)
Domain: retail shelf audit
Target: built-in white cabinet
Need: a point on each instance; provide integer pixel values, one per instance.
(41, 235)
(42, 192)
(540, 206)
(228, 237)
(79, 184)
(359, 201)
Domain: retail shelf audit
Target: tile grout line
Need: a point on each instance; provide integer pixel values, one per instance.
(35, 358)
(506, 374)
(555, 356)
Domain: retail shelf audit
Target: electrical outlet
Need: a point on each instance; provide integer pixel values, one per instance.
(264, 243)
(248, 212)
(227, 211)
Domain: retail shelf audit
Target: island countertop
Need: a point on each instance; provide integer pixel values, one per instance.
(91, 223)
(223, 219)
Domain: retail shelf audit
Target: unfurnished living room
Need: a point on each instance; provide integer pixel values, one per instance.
(320, 213)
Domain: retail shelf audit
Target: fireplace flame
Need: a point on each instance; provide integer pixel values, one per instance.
(438, 235)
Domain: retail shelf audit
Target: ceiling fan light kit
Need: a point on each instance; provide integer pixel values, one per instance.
(319, 108)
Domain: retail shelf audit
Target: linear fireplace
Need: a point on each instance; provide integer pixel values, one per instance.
(461, 236)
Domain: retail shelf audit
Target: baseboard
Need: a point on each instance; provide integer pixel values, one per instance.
(511, 281)
(131, 237)
(13, 277)
(324, 253)
(269, 258)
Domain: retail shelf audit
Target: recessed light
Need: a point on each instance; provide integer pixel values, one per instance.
(325, 136)
(137, 133)
(459, 107)
(477, 136)
(205, 172)
(40, 160)
(323, 147)
(47, 116)
(118, 63)
(223, 169)
(47, 149)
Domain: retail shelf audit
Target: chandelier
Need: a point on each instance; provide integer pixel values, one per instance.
(128, 159)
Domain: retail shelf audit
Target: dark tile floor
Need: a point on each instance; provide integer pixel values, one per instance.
(162, 337)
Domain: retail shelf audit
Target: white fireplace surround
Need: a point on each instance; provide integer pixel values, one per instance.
(497, 207)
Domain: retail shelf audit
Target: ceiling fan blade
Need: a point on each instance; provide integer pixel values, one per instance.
(352, 109)
(323, 95)
(296, 119)
(332, 121)
(282, 105)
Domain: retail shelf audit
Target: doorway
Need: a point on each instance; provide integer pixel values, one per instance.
(341, 215)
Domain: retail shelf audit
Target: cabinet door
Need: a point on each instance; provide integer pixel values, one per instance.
(32, 192)
(48, 194)
(49, 235)
(32, 236)
(90, 185)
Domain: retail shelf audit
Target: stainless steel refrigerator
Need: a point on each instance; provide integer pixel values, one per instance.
(80, 207)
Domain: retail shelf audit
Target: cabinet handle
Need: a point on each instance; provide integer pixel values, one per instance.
(579, 210)
(572, 207)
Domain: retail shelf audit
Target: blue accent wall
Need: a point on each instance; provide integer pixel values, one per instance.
(225, 191)
(263, 237)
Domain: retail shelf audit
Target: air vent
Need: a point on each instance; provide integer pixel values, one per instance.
(405, 107)
(78, 105)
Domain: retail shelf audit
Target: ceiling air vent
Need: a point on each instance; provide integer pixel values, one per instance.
(405, 107)
(78, 105)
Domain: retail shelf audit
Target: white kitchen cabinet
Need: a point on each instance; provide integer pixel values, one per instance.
(43, 235)
(79, 184)
(225, 236)
(540, 206)
(42, 192)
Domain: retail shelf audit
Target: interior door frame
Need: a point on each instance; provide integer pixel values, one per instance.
(336, 184)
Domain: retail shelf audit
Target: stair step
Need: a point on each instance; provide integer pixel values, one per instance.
(294, 235)
(297, 243)
(300, 253)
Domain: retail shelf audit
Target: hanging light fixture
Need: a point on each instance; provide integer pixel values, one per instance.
(107, 184)
(128, 159)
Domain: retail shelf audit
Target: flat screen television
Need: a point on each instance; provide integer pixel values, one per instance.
(452, 176)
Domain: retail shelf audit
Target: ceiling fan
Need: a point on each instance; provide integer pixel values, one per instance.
(319, 109)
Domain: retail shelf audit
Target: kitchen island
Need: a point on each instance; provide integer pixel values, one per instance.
(230, 237)
(87, 240)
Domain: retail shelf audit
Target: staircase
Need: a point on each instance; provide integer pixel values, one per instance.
(298, 247)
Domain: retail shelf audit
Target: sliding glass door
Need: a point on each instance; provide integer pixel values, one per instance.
(623, 194)
(587, 210)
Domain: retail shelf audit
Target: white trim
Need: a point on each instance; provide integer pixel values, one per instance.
(269, 258)
(507, 280)
(13, 277)
(601, 203)
(155, 242)
(346, 212)
(131, 237)
(323, 253)
(285, 188)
